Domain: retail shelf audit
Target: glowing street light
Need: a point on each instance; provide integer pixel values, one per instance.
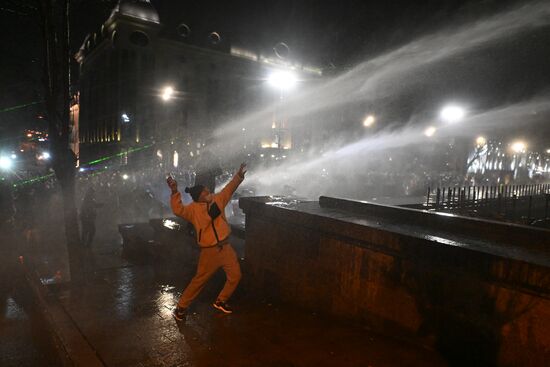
(167, 93)
(452, 113)
(519, 147)
(430, 131)
(548, 151)
(5, 163)
(282, 80)
(125, 176)
(369, 121)
(481, 141)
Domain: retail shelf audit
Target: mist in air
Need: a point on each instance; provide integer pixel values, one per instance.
(346, 162)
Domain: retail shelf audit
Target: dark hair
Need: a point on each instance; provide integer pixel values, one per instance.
(195, 191)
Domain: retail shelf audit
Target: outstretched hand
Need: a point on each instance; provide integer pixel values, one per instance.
(172, 184)
(242, 170)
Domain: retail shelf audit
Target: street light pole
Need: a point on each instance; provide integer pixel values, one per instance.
(281, 81)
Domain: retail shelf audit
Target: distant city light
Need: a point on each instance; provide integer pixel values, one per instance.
(452, 113)
(44, 156)
(369, 121)
(167, 93)
(5, 163)
(519, 147)
(29, 135)
(481, 141)
(430, 131)
(282, 80)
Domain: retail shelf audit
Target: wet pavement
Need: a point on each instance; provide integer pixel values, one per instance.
(124, 312)
(24, 339)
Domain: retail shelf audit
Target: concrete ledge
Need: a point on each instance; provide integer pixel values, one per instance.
(445, 281)
(481, 229)
(72, 347)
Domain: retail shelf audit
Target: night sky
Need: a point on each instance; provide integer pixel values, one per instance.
(339, 33)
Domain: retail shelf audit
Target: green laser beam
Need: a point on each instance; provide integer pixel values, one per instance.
(103, 159)
(32, 180)
(13, 108)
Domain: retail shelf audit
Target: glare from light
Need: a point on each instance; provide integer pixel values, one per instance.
(81, 169)
(452, 113)
(176, 159)
(46, 155)
(519, 147)
(369, 121)
(430, 131)
(282, 80)
(548, 151)
(168, 223)
(481, 141)
(5, 163)
(125, 117)
(13, 156)
(167, 93)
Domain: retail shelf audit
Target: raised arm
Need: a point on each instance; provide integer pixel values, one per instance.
(232, 185)
(175, 200)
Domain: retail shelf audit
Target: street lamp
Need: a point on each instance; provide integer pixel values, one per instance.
(5, 163)
(167, 93)
(481, 141)
(519, 147)
(430, 131)
(452, 113)
(369, 121)
(282, 80)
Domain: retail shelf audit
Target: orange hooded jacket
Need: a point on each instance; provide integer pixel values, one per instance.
(197, 214)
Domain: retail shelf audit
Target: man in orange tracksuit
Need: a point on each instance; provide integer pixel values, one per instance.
(206, 213)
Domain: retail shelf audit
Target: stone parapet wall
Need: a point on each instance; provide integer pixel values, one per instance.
(355, 260)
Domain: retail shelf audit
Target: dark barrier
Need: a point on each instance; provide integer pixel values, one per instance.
(477, 291)
(137, 239)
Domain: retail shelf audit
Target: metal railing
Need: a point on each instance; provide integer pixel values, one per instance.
(510, 202)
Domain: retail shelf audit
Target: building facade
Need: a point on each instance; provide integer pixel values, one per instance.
(143, 84)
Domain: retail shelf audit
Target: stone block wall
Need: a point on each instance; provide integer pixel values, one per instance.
(475, 307)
